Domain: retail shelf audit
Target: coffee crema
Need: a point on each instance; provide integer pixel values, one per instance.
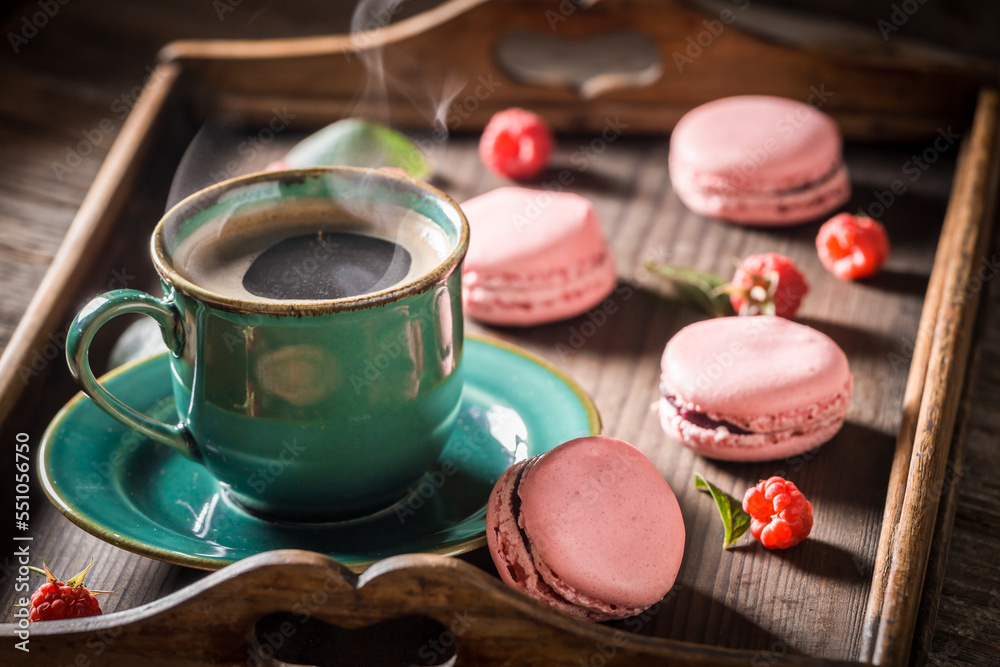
(310, 250)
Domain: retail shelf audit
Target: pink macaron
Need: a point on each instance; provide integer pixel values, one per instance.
(590, 528)
(534, 257)
(758, 160)
(753, 388)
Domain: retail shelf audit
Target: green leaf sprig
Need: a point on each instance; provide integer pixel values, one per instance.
(736, 521)
(701, 289)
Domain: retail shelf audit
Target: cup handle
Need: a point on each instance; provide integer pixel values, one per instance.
(81, 332)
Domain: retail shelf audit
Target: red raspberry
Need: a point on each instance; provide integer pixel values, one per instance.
(516, 143)
(852, 247)
(770, 284)
(780, 516)
(55, 600)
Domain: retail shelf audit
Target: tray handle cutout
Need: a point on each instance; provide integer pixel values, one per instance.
(590, 66)
(295, 639)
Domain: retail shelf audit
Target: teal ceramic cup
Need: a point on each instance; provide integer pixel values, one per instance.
(305, 410)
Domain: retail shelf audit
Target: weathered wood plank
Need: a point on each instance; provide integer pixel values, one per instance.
(644, 221)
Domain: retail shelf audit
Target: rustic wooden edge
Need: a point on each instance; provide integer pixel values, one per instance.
(944, 524)
(912, 397)
(830, 35)
(943, 528)
(909, 521)
(90, 227)
(381, 34)
(876, 96)
(92, 224)
(207, 623)
(298, 47)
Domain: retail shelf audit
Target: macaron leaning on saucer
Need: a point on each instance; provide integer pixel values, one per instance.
(590, 528)
(534, 257)
(753, 388)
(758, 160)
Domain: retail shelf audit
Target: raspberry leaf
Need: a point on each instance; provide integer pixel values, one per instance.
(701, 289)
(735, 520)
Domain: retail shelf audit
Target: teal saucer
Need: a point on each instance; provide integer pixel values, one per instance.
(147, 498)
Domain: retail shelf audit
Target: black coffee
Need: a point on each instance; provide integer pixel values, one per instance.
(313, 251)
(330, 265)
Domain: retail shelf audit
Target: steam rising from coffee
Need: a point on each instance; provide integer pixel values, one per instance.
(393, 70)
(358, 258)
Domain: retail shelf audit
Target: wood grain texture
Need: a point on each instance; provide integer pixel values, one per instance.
(875, 95)
(968, 218)
(488, 623)
(629, 179)
(730, 599)
(961, 225)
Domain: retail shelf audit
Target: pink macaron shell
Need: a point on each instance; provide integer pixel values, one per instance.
(760, 142)
(547, 297)
(603, 525)
(758, 159)
(534, 256)
(517, 230)
(787, 383)
(743, 367)
(725, 446)
(515, 562)
(769, 208)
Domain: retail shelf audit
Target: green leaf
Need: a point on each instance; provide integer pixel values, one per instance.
(701, 289)
(736, 521)
(355, 142)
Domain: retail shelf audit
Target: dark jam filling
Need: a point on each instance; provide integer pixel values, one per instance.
(701, 419)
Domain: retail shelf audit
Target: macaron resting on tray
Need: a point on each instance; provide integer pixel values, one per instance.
(860, 590)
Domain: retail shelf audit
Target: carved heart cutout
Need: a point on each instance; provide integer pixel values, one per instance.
(625, 59)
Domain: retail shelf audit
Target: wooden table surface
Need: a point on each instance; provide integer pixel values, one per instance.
(67, 87)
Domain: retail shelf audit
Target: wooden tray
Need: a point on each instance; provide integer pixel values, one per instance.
(851, 594)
